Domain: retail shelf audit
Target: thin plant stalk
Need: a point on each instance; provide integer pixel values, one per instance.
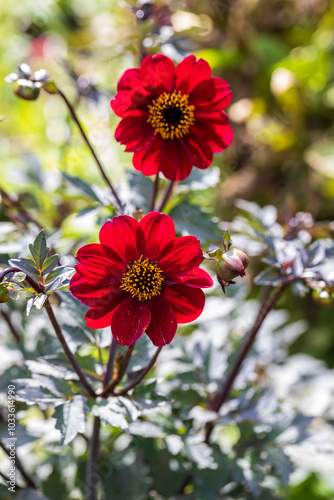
(67, 350)
(154, 192)
(166, 196)
(141, 376)
(87, 141)
(112, 352)
(112, 384)
(92, 471)
(265, 308)
(29, 481)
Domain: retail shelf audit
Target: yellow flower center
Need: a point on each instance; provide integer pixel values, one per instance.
(143, 279)
(171, 116)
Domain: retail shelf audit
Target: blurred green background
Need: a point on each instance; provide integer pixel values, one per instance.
(277, 57)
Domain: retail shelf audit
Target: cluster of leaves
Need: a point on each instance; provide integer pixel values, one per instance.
(288, 254)
(43, 270)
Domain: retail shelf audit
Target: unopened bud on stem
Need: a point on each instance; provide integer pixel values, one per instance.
(231, 264)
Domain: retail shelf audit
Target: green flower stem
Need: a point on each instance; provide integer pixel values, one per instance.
(29, 481)
(109, 388)
(141, 376)
(87, 141)
(67, 350)
(167, 195)
(266, 306)
(112, 352)
(92, 471)
(154, 192)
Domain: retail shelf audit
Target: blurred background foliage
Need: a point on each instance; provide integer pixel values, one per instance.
(277, 57)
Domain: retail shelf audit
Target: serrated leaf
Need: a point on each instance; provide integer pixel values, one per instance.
(30, 304)
(191, 219)
(315, 254)
(39, 300)
(39, 249)
(28, 266)
(281, 463)
(82, 186)
(77, 334)
(12, 293)
(59, 271)
(146, 429)
(70, 419)
(270, 276)
(17, 277)
(107, 411)
(49, 264)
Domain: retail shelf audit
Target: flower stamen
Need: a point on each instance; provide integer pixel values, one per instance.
(143, 279)
(171, 116)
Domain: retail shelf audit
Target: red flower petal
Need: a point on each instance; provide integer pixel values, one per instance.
(189, 73)
(180, 256)
(159, 230)
(148, 161)
(163, 325)
(122, 102)
(174, 160)
(198, 150)
(120, 235)
(215, 129)
(129, 321)
(129, 79)
(87, 293)
(187, 303)
(211, 96)
(135, 132)
(100, 315)
(197, 278)
(110, 278)
(158, 71)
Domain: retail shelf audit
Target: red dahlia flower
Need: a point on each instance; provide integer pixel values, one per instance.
(172, 117)
(140, 278)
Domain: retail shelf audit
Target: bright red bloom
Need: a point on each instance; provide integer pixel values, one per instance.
(140, 278)
(172, 117)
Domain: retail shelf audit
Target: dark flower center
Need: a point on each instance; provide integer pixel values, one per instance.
(143, 279)
(171, 116)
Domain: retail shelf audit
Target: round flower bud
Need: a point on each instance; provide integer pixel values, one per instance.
(232, 264)
(26, 89)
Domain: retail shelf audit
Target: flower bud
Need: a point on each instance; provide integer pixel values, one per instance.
(26, 89)
(232, 264)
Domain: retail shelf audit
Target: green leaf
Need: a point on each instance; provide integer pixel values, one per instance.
(50, 88)
(17, 277)
(70, 419)
(49, 264)
(82, 186)
(191, 219)
(28, 266)
(110, 413)
(39, 249)
(12, 293)
(227, 242)
(270, 276)
(39, 300)
(63, 271)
